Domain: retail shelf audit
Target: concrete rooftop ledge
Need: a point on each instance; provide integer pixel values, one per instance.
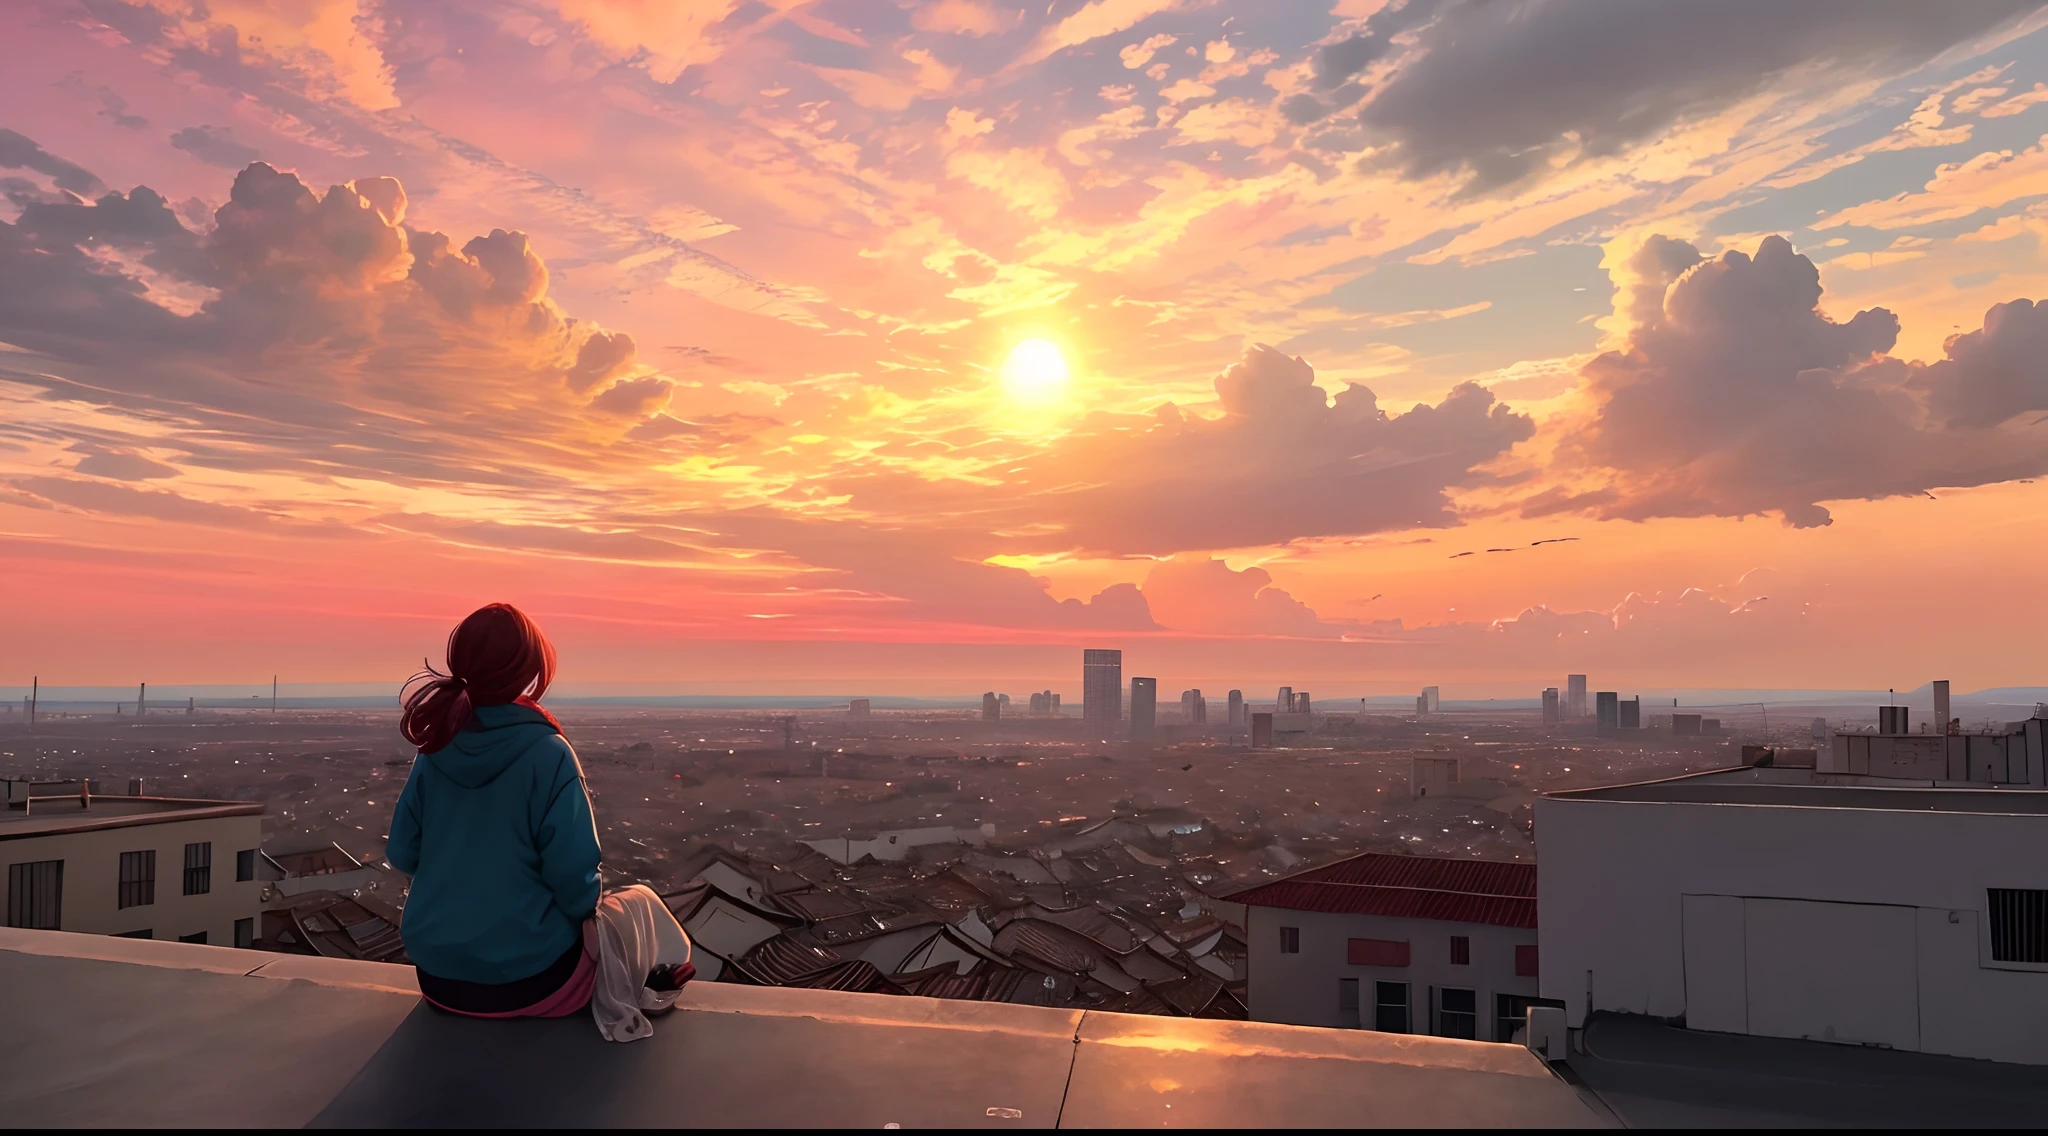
(121, 1032)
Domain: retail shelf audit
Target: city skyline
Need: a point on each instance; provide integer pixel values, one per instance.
(836, 345)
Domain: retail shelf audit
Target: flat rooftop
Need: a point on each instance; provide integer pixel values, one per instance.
(122, 1032)
(1717, 787)
(48, 816)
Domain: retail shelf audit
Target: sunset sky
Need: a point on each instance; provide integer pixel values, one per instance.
(868, 347)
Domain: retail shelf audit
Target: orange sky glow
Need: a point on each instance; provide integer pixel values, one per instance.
(850, 346)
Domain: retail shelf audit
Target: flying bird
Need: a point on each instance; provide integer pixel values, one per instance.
(1455, 555)
(1503, 550)
(1552, 540)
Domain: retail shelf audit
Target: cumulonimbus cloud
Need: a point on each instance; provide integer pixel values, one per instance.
(1736, 395)
(1284, 460)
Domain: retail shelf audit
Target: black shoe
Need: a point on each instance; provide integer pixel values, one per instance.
(663, 979)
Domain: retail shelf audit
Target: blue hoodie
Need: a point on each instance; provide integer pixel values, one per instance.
(496, 833)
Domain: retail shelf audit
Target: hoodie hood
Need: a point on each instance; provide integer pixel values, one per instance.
(494, 738)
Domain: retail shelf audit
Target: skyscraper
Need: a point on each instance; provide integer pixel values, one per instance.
(1194, 709)
(1551, 709)
(1102, 688)
(1283, 703)
(1435, 699)
(1144, 707)
(1236, 709)
(1575, 696)
(991, 707)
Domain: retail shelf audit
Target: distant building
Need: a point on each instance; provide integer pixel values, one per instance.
(1283, 703)
(1575, 696)
(991, 707)
(1262, 730)
(1052, 703)
(1685, 725)
(1551, 709)
(80, 861)
(1880, 911)
(1236, 709)
(1607, 705)
(1102, 688)
(1301, 703)
(1433, 776)
(1432, 696)
(858, 708)
(2012, 757)
(1400, 944)
(1194, 709)
(1144, 707)
(1632, 713)
(1421, 705)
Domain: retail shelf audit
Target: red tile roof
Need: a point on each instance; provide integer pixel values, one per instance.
(1410, 887)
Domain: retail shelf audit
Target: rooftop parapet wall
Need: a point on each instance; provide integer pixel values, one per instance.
(126, 1032)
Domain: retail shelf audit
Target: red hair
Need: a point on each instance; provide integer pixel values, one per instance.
(495, 656)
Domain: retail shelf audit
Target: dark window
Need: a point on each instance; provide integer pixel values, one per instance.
(1347, 1003)
(1290, 940)
(1458, 1014)
(245, 933)
(1461, 950)
(245, 865)
(1525, 960)
(2019, 924)
(1511, 1013)
(35, 894)
(199, 868)
(138, 878)
(1390, 1007)
(145, 933)
(194, 937)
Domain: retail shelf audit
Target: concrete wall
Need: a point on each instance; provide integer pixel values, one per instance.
(92, 874)
(1302, 989)
(1614, 876)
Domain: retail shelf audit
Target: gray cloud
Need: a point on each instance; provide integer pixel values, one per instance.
(113, 107)
(18, 152)
(1496, 87)
(214, 145)
(1736, 395)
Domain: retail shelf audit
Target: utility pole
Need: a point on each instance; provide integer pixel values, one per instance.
(142, 700)
(273, 696)
(35, 684)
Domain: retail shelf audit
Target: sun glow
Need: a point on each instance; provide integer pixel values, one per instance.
(1035, 372)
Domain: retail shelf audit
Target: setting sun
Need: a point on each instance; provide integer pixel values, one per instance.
(1036, 372)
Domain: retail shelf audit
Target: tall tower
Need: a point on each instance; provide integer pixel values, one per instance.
(1102, 688)
(1236, 709)
(1144, 707)
(1575, 696)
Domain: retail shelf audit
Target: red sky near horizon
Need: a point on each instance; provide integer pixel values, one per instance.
(843, 344)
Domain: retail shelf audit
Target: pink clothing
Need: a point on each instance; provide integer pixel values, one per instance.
(572, 998)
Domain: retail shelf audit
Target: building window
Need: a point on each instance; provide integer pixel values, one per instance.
(1525, 960)
(1461, 950)
(1511, 1013)
(1390, 1007)
(2019, 925)
(1347, 1003)
(245, 865)
(245, 933)
(1290, 940)
(1377, 952)
(198, 868)
(138, 879)
(1458, 1014)
(145, 933)
(194, 937)
(35, 894)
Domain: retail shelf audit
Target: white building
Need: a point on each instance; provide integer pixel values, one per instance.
(1771, 902)
(134, 866)
(1401, 944)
